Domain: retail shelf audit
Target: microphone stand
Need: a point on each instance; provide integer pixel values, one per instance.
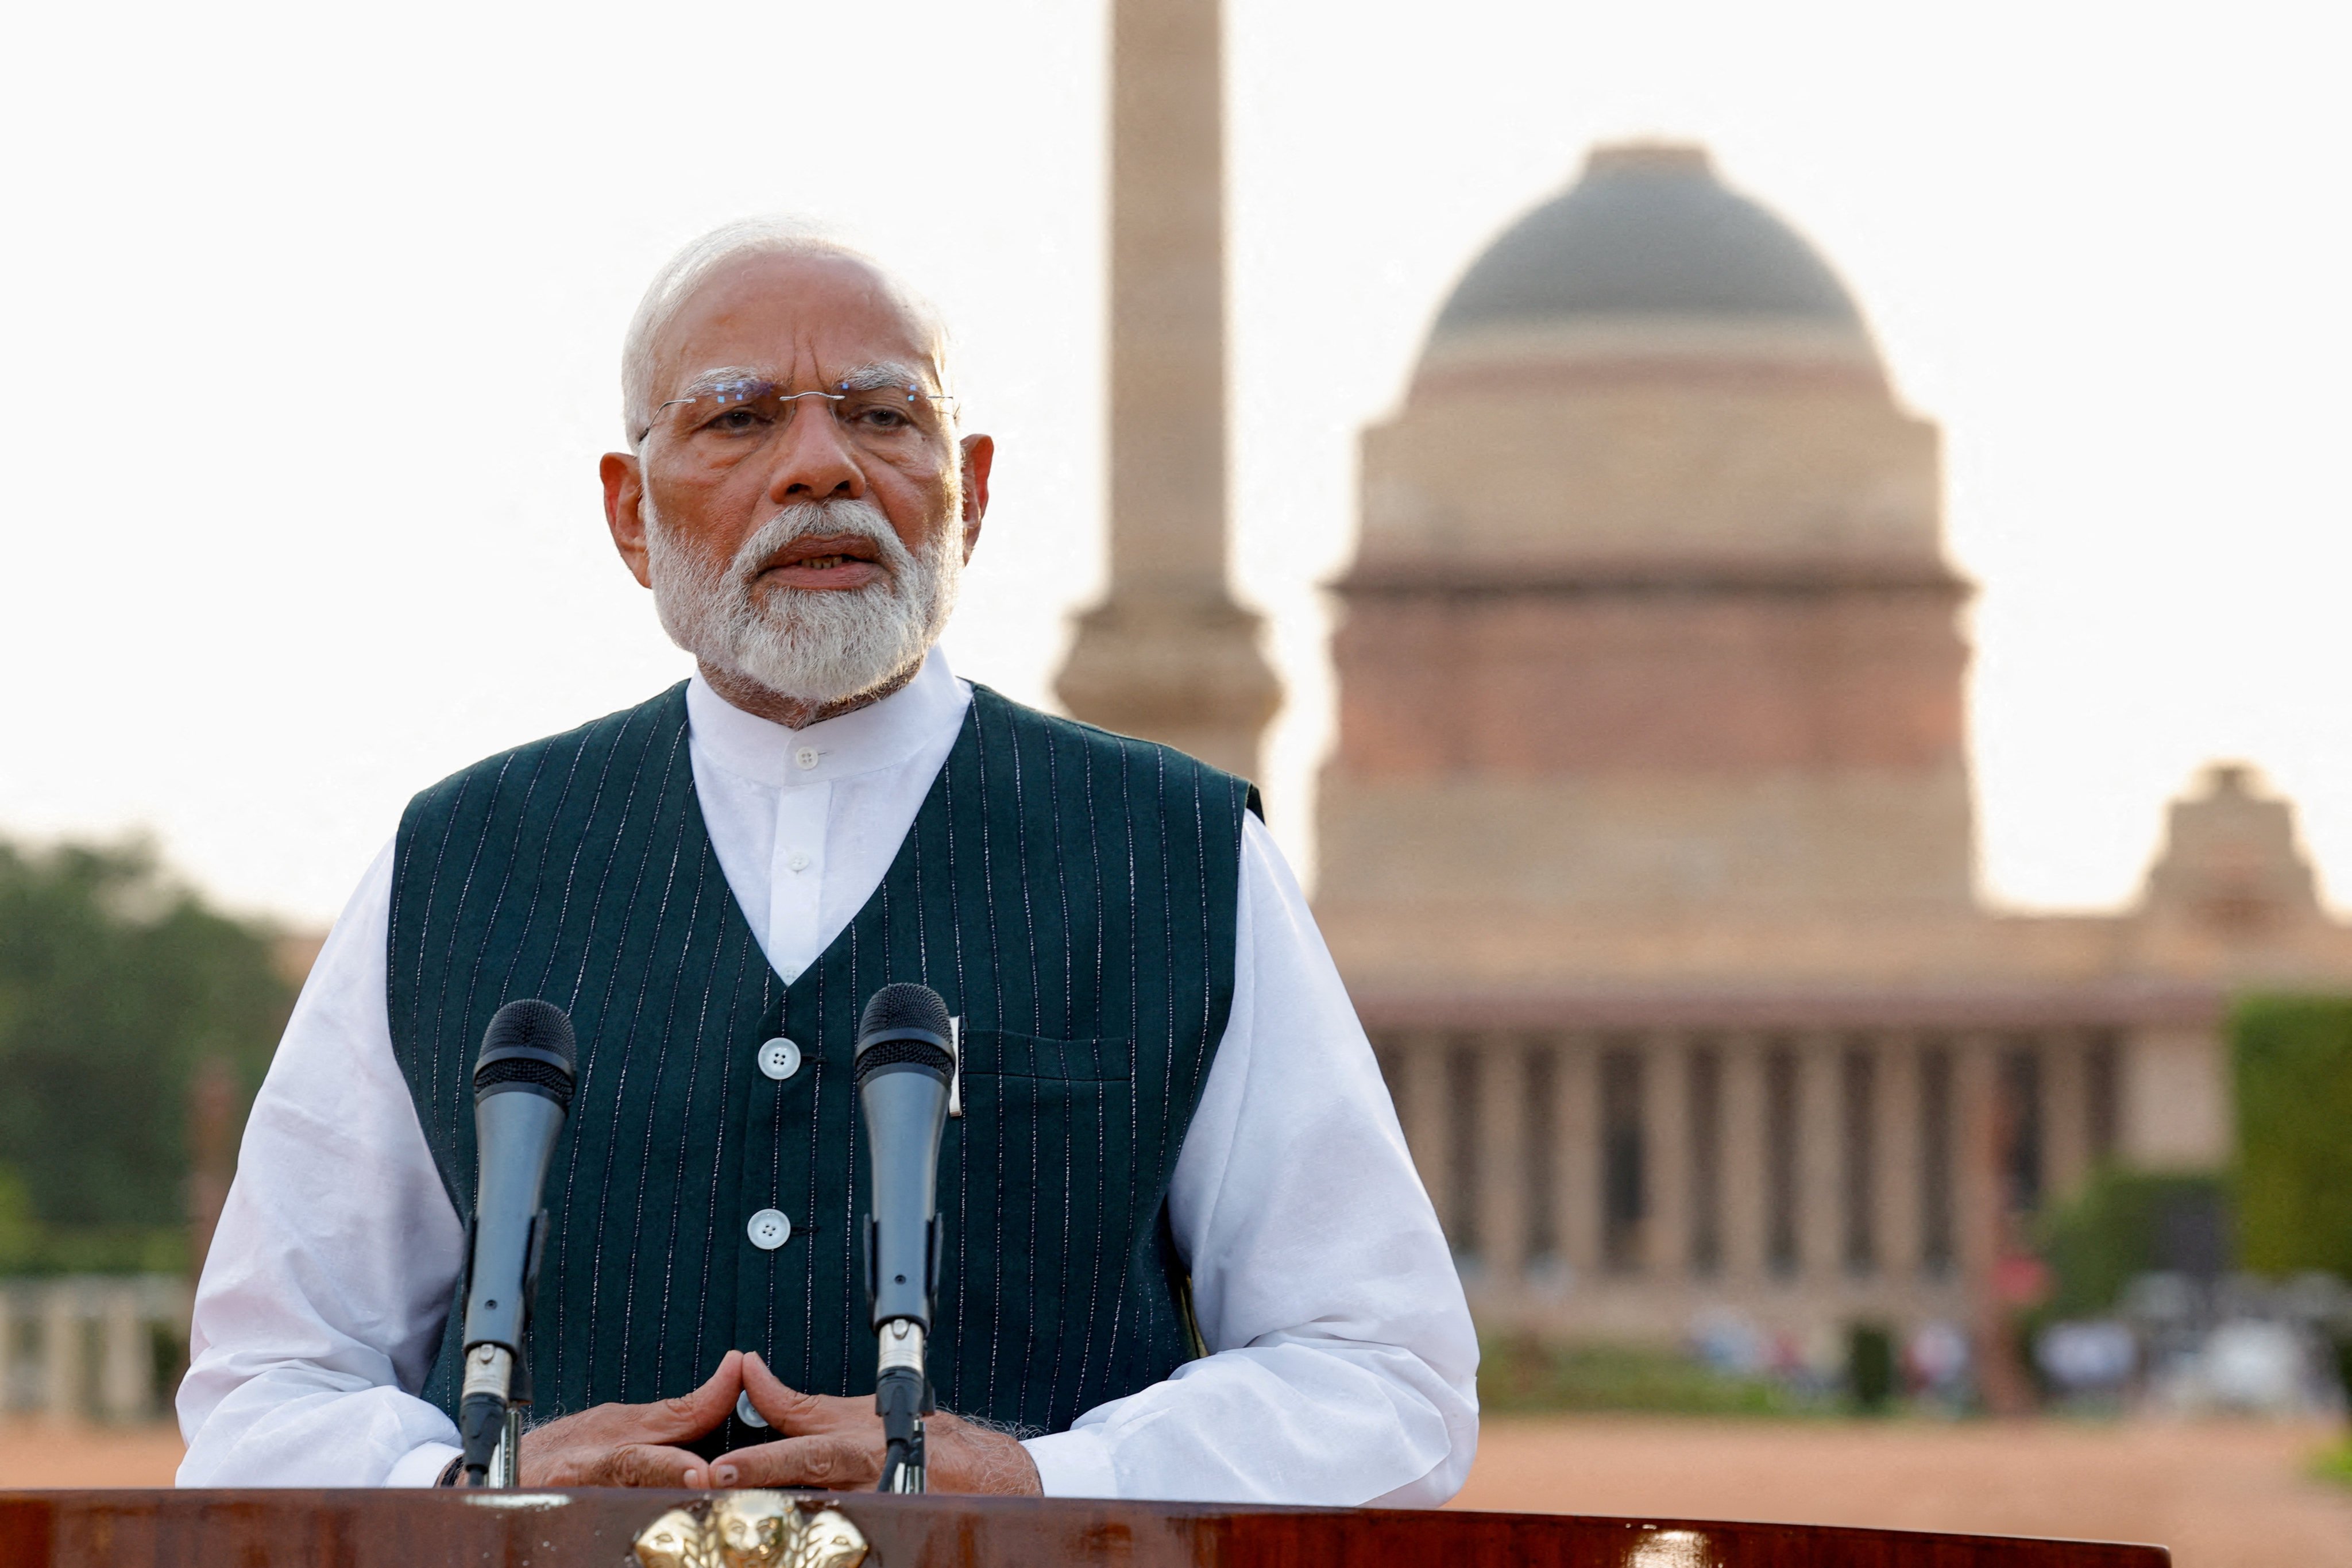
(506, 1460)
(902, 1397)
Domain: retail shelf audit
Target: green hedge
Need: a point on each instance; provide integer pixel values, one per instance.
(1521, 1373)
(2293, 1060)
(2112, 1230)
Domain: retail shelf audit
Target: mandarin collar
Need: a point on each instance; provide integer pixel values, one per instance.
(881, 735)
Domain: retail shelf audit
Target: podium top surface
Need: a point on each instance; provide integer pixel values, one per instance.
(261, 1529)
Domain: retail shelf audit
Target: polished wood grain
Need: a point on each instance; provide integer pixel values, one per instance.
(538, 1529)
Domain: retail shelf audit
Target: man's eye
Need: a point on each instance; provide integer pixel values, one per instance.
(735, 421)
(885, 416)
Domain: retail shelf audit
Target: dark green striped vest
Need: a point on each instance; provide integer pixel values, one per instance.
(1071, 894)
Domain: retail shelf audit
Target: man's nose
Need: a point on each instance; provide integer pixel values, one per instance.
(812, 460)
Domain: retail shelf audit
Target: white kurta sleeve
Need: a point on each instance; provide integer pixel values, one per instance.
(331, 1273)
(1344, 1366)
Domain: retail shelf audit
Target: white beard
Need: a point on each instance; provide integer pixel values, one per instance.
(813, 644)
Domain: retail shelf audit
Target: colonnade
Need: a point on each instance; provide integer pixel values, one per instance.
(1731, 1158)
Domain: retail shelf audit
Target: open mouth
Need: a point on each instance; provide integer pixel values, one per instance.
(819, 561)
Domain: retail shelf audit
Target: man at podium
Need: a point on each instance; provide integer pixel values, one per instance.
(1186, 1254)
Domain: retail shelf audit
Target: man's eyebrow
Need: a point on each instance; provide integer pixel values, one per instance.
(711, 380)
(878, 375)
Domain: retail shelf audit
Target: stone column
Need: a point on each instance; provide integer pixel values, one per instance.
(1821, 1156)
(1576, 1081)
(1743, 1160)
(1502, 1159)
(1168, 655)
(126, 1367)
(1666, 1116)
(61, 1355)
(1900, 1173)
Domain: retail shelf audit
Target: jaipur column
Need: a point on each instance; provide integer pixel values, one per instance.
(1168, 654)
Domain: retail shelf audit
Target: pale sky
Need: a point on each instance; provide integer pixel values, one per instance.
(312, 318)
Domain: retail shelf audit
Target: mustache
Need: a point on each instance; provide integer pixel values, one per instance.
(831, 519)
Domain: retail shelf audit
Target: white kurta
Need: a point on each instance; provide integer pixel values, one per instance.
(1343, 1365)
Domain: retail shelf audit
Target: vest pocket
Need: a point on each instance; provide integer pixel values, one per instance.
(1038, 1182)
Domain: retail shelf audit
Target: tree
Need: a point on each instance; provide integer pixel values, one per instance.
(115, 982)
(2293, 1057)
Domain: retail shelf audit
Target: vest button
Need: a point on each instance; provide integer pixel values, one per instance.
(769, 1230)
(780, 1059)
(748, 1412)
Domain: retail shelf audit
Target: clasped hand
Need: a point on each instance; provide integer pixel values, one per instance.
(822, 1441)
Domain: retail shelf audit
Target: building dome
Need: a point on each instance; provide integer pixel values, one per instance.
(1649, 249)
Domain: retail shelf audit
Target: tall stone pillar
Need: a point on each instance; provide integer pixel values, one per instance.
(1666, 1115)
(1503, 1160)
(1168, 655)
(61, 1352)
(1745, 1216)
(1901, 1175)
(1576, 1163)
(1821, 1151)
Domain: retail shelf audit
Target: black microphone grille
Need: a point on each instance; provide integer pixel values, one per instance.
(903, 1023)
(529, 1042)
(904, 1007)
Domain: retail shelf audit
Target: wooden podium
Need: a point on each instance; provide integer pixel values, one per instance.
(602, 1528)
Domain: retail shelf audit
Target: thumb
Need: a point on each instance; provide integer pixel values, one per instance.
(787, 1410)
(692, 1414)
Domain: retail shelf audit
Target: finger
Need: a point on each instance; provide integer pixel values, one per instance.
(651, 1465)
(789, 1410)
(692, 1414)
(834, 1461)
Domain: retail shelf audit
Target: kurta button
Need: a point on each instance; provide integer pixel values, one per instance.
(798, 862)
(769, 1230)
(805, 757)
(780, 1059)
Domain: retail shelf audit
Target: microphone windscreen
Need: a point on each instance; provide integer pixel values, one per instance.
(529, 1042)
(903, 1023)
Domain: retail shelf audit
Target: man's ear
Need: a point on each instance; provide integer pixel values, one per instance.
(624, 492)
(979, 456)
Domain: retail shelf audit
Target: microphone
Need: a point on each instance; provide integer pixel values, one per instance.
(522, 1091)
(903, 1071)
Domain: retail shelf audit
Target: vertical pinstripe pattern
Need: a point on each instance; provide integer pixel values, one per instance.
(1056, 877)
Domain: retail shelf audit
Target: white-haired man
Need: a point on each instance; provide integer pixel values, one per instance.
(1186, 1257)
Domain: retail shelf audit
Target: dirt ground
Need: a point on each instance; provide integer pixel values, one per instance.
(2221, 1494)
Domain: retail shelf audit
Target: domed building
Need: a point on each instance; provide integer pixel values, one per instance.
(1647, 845)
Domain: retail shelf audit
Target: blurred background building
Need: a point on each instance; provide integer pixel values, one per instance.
(1647, 841)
